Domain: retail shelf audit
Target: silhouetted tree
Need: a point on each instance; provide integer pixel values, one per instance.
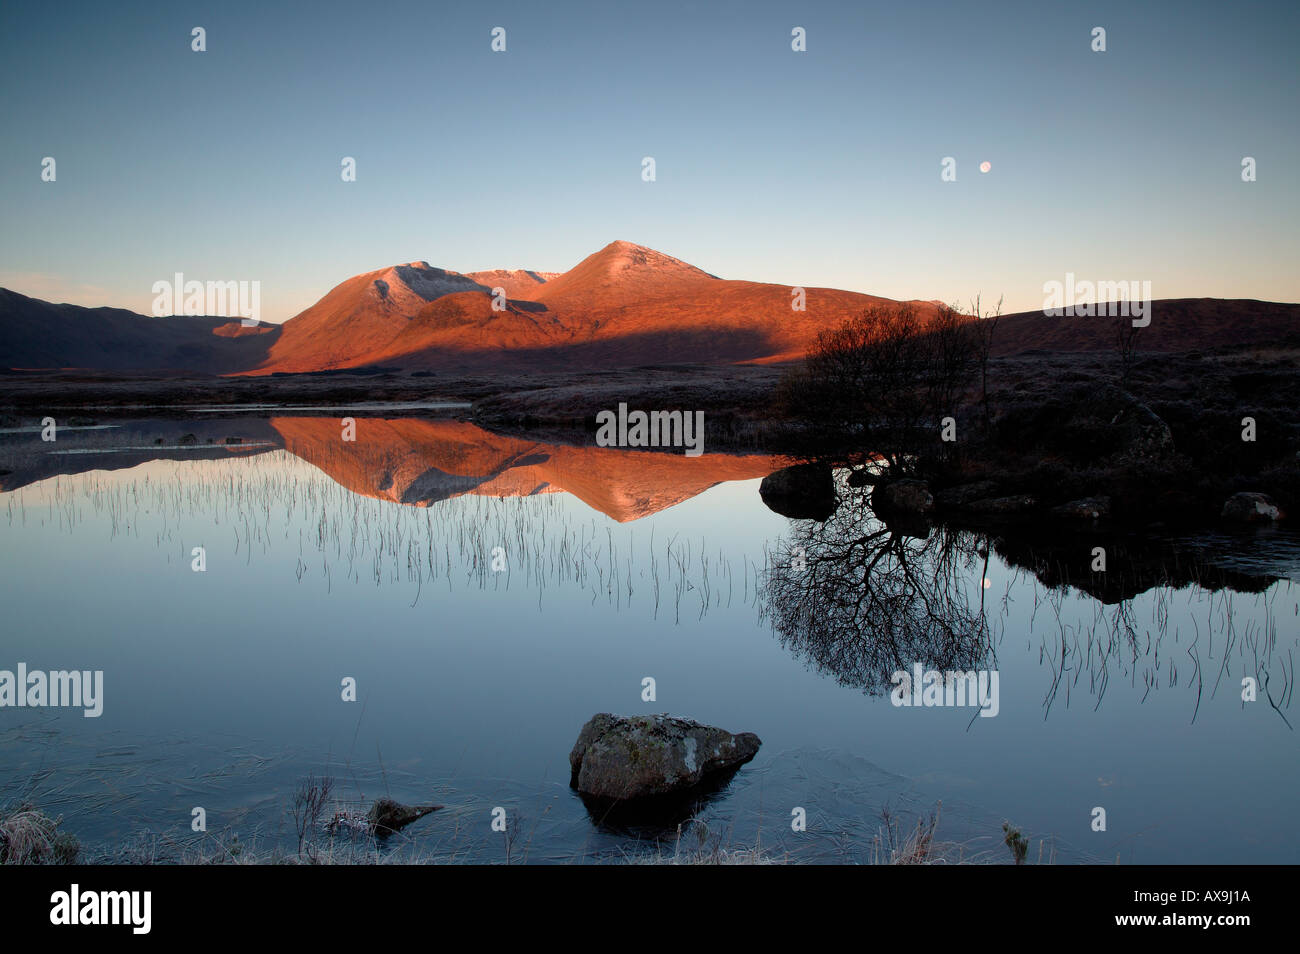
(882, 382)
(985, 327)
(1125, 338)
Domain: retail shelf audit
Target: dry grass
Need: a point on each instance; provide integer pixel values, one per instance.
(722, 856)
(892, 845)
(30, 837)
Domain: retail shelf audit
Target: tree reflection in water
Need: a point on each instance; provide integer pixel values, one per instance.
(860, 599)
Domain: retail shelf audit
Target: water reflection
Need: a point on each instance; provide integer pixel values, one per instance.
(861, 600)
(854, 596)
(407, 460)
(376, 557)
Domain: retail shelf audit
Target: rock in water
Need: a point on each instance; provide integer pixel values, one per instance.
(387, 816)
(1252, 508)
(629, 758)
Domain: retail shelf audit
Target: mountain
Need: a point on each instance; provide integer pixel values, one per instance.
(517, 282)
(37, 334)
(361, 316)
(623, 274)
(623, 305)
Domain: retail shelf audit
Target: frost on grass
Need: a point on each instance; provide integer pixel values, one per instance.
(30, 837)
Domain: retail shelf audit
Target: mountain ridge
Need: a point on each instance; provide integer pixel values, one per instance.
(624, 305)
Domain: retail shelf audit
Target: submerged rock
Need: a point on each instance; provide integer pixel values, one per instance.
(1252, 508)
(621, 758)
(801, 492)
(387, 816)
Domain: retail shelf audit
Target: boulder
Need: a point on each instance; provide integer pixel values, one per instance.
(1086, 508)
(801, 492)
(1115, 420)
(639, 757)
(1252, 508)
(386, 815)
(1088, 425)
(903, 496)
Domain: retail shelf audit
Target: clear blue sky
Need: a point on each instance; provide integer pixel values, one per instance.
(816, 168)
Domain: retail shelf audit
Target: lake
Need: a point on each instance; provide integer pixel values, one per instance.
(488, 594)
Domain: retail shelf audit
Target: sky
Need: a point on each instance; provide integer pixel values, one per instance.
(814, 168)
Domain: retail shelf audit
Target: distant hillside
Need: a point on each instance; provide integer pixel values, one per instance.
(39, 334)
(1177, 324)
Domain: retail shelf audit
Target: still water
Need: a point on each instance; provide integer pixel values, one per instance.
(488, 594)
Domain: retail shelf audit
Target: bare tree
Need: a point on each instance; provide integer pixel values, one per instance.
(985, 327)
(1125, 341)
(883, 380)
(309, 804)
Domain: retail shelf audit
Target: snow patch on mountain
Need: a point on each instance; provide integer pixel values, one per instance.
(430, 283)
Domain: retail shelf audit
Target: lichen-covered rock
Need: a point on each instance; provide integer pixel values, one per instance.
(1252, 508)
(642, 756)
(801, 492)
